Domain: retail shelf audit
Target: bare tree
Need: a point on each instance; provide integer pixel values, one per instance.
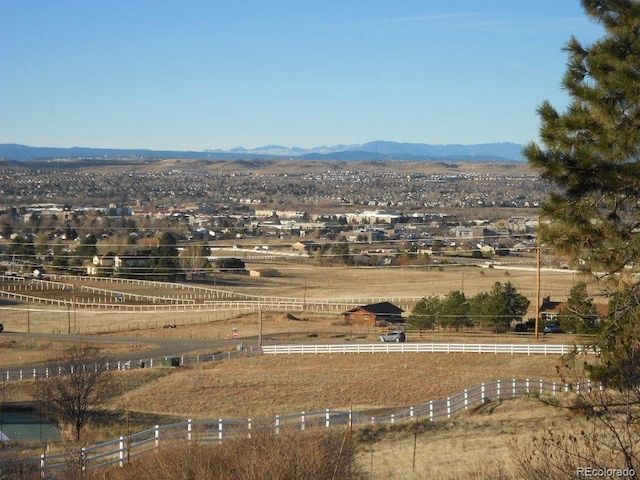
(75, 385)
(193, 260)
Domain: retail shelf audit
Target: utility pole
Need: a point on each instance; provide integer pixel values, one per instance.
(75, 329)
(537, 329)
(259, 326)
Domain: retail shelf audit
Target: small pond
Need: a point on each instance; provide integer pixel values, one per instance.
(26, 427)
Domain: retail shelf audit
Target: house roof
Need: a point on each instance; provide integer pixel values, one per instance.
(552, 307)
(548, 306)
(149, 242)
(381, 308)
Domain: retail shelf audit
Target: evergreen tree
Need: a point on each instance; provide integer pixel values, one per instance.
(426, 312)
(455, 311)
(87, 248)
(579, 313)
(591, 156)
(165, 261)
(500, 306)
(590, 152)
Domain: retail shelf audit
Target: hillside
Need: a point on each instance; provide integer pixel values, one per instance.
(380, 150)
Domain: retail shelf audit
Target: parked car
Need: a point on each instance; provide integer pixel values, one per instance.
(1, 328)
(393, 337)
(552, 328)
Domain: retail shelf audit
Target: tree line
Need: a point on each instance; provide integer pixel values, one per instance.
(496, 309)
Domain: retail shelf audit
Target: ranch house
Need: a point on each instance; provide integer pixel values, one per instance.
(374, 314)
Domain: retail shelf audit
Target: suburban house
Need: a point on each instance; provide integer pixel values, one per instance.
(104, 260)
(100, 264)
(374, 314)
(131, 262)
(550, 310)
(469, 232)
(305, 246)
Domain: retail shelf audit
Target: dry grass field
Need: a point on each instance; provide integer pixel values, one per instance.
(353, 286)
(472, 446)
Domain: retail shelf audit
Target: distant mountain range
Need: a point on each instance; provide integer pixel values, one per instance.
(380, 150)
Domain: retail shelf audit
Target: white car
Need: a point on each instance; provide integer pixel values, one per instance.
(394, 337)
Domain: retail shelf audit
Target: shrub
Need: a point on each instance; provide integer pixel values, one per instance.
(312, 455)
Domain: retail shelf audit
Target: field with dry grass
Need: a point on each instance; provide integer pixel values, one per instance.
(264, 386)
(472, 446)
(296, 280)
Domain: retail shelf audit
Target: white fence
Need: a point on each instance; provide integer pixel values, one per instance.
(314, 349)
(188, 297)
(17, 374)
(121, 450)
(512, 349)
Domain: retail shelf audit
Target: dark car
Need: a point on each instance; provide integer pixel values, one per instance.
(1, 328)
(393, 337)
(552, 328)
(520, 327)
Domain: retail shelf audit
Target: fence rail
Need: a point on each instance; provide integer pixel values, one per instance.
(187, 298)
(13, 374)
(496, 348)
(121, 450)
(17, 374)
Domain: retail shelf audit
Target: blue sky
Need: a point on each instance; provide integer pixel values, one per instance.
(199, 74)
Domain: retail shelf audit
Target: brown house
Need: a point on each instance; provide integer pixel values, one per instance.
(550, 310)
(374, 314)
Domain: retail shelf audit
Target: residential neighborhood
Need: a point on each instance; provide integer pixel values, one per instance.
(378, 217)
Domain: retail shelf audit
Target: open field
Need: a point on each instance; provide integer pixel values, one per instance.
(473, 444)
(266, 386)
(299, 281)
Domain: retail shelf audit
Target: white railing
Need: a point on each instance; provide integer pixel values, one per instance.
(121, 450)
(17, 374)
(13, 374)
(512, 349)
(209, 296)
